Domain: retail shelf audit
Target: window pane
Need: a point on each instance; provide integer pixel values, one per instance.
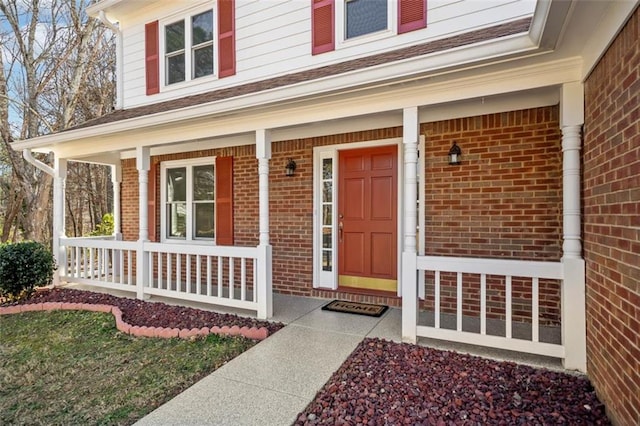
(365, 16)
(326, 260)
(326, 214)
(174, 37)
(203, 183)
(177, 219)
(327, 166)
(202, 29)
(326, 238)
(204, 220)
(177, 184)
(203, 61)
(326, 192)
(175, 68)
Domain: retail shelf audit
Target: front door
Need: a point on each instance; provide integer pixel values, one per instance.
(367, 218)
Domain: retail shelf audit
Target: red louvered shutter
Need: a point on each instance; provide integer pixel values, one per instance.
(152, 58)
(412, 15)
(226, 38)
(322, 26)
(224, 201)
(152, 205)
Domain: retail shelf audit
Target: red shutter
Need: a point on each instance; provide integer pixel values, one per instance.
(224, 201)
(322, 26)
(412, 15)
(226, 38)
(152, 57)
(152, 194)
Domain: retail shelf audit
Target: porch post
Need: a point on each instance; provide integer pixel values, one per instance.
(116, 179)
(410, 135)
(59, 251)
(573, 287)
(142, 262)
(264, 276)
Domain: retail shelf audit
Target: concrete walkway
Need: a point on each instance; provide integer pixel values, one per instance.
(276, 379)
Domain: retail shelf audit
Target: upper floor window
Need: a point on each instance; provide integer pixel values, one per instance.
(364, 17)
(190, 49)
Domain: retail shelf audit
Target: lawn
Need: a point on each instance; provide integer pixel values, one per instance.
(74, 367)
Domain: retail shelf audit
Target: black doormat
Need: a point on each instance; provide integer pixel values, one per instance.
(355, 308)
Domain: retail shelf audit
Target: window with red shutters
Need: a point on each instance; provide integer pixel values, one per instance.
(226, 38)
(412, 15)
(322, 26)
(152, 58)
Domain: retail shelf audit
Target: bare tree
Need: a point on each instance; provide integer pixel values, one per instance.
(58, 71)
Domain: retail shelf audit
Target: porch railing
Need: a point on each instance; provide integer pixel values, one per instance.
(501, 271)
(222, 275)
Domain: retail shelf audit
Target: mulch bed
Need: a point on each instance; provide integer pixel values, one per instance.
(151, 314)
(386, 383)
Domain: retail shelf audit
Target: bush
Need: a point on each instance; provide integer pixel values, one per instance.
(105, 227)
(24, 266)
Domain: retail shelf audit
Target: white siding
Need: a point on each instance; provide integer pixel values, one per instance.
(274, 38)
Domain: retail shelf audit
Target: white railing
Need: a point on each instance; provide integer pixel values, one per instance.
(214, 274)
(99, 261)
(238, 277)
(506, 271)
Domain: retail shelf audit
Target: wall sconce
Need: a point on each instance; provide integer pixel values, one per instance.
(290, 168)
(455, 154)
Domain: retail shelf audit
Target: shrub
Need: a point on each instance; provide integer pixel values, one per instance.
(24, 266)
(105, 227)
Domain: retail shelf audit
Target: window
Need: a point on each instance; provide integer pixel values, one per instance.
(189, 199)
(188, 45)
(364, 17)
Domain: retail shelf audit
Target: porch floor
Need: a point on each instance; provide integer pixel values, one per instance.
(276, 379)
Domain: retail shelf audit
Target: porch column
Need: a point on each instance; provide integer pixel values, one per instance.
(142, 262)
(573, 287)
(410, 135)
(265, 290)
(59, 251)
(116, 180)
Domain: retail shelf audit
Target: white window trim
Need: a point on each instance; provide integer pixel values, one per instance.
(340, 26)
(188, 48)
(329, 280)
(189, 164)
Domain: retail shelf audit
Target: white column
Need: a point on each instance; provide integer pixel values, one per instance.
(59, 251)
(142, 261)
(410, 135)
(265, 290)
(116, 180)
(573, 287)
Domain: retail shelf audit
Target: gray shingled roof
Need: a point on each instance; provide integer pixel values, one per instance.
(485, 34)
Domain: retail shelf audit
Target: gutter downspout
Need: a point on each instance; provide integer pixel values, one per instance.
(27, 155)
(119, 54)
(59, 174)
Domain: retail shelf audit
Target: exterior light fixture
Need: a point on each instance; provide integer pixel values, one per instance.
(290, 168)
(455, 154)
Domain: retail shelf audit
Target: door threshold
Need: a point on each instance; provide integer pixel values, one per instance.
(367, 292)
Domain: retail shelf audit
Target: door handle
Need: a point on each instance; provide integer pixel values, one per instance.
(340, 230)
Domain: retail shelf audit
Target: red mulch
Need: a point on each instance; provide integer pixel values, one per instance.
(386, 383)
(151, 314)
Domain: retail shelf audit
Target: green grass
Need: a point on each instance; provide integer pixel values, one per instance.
(73, 367)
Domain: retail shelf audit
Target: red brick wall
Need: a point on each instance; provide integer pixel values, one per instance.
(503, 201)
(611, 196)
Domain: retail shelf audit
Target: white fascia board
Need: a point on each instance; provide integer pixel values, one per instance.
(412, 68)
(605, 32)
(383, 99)
(105, 5)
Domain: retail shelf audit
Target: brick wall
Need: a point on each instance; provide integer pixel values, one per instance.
(611, 196)
(504, 201)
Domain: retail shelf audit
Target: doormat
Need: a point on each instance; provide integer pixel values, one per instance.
(355, 308)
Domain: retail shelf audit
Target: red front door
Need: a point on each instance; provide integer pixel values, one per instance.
(367, 218)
